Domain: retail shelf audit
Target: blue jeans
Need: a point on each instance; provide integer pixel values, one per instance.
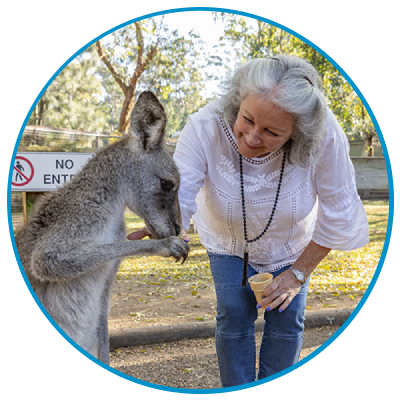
(235, 334)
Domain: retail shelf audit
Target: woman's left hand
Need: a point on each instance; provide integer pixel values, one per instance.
(280, 292)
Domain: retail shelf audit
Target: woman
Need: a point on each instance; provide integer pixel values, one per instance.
(266, 176)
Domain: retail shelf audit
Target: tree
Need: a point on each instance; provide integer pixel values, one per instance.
(97, 90)
(364, 127)
(257, 39)
(128, 86)
(163, 61)
(74, 98)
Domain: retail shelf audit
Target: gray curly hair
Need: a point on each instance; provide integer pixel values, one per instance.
(292, 84)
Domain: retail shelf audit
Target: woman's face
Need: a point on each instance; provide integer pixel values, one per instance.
(261, 127)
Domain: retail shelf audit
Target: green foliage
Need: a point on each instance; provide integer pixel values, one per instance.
(74, 99)
(257, 39)
(88, 96)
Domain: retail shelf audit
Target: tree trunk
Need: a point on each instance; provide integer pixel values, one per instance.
(370, 147)
(127, 108)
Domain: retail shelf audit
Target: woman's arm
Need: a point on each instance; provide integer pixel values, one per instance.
(341, 221)
(285, 286)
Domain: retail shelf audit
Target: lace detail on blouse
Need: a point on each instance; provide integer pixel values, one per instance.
(317, 203)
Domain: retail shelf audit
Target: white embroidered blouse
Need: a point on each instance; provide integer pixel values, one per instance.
(318, 203)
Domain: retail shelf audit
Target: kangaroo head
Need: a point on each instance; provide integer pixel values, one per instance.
(155, 191)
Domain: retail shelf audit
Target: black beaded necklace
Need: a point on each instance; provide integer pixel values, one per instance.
(247, 240)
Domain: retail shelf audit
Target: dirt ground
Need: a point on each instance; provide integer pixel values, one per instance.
(135, 305)
(190, 363)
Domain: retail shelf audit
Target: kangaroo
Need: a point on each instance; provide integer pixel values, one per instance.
(73, 243)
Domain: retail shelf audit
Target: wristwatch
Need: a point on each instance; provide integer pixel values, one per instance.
(298, 275)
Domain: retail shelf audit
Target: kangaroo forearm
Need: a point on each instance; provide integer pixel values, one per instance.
(56, 265)
(102, 253)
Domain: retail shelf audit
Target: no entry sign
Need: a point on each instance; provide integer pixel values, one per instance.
(42, 172)
(23, 171)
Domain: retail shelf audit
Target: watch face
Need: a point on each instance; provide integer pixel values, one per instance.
(299, 275)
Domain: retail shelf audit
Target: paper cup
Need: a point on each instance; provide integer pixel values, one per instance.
(259, 282)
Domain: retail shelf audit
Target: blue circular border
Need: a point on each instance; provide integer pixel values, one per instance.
(371, 285)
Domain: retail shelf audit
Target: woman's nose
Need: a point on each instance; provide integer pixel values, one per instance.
(253, 137)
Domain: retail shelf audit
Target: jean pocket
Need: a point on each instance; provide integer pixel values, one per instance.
(226, 270)
(228, 285)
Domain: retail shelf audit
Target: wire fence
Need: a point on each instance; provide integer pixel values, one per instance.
(16, 210)
(47, 139)
(37, 138)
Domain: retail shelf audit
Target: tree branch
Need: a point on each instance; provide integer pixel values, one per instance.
(111, 68)
(129, 90)
(142, 62)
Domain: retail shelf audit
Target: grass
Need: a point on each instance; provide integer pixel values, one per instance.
(159, 270)
(339, 274)
(197, 264)
(349, 273)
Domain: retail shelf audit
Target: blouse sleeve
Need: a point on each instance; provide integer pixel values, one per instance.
(191, 161)
(341, 223)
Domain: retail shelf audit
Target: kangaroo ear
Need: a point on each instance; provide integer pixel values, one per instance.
(148, 121)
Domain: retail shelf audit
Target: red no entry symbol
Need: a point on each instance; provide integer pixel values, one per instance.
(23, 171)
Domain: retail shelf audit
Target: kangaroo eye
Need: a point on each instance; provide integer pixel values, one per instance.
(166, 186)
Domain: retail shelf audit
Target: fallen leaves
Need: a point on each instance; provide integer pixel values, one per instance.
(349, 273)
(340, 275)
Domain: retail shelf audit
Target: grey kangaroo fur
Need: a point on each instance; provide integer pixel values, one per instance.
(74, 242)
